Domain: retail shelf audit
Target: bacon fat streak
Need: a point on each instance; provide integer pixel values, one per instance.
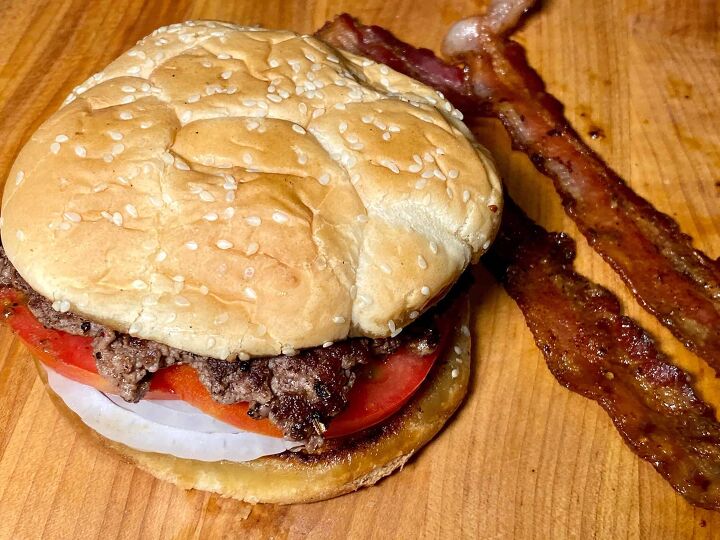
(589, 346)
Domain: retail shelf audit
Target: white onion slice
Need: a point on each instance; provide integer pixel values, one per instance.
(174, 413)
(146, 428)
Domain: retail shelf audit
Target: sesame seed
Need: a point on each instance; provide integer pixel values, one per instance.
(193, 98)
(127, 99)
(417, 159)
(186, 117)
(247, 158)
(338, 319)
(386, 136)
(428, 157)
(131, 210)
(108, 158)
(157, 203)
(249, 272)
(253, 221)
(391, 326)
(192, 246)
(181, 165)
(210, 216)
(80, 151)
(274, 98)
(61, 138)
(178, 279)
(72, 216)
(250, 293)
(102, 186)
(20, 235)
(204, 290)
(385, 268)
(455, 373)
(252, 248)
(145, 124)
(222, 318)
(457, 349)
(422, 263)
(414, 315)
(302, 158)
(223, 56)
(425, 290)
(181, 301)
(298, 129)
(420, 184)
(243, 356)
(206, 196)
(427, 174)
(302, 107)
(464, 330)
(115, 135)
(394, 129)
(324, 179)
(486, 245)
(273, 63)
(327, 344)
(415, 168)
(161, 256)
(139, 284)
(134, 70)
(117, 219)
(384, 70)
(126, 115)
(117, 148)
(226, 75)
(433, 247)
(390, 165)
(466, 196)
(55, 148)
(453, 174)
(279, 217)
(342, 128)
(449, 193)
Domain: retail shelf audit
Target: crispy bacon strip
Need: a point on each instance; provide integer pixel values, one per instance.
(677, 283)
(594, 350)
(590, 347)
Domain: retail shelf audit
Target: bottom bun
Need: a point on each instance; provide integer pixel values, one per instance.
(344, 464)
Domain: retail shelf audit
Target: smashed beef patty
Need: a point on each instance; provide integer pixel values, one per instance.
(300, 393)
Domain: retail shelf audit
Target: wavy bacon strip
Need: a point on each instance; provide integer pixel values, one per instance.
(589, 346)
(677, 283)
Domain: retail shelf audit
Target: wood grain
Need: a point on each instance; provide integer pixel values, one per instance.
(524, 458)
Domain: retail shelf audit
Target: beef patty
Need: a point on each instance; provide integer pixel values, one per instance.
(299, 393)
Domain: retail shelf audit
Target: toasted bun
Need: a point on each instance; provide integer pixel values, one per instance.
(236, 191)
(347, 465)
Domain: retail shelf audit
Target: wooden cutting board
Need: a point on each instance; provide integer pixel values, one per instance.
(524, 457)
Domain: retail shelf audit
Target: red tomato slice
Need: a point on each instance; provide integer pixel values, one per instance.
(380, 389)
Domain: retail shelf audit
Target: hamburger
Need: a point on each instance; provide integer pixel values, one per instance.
(237, 255)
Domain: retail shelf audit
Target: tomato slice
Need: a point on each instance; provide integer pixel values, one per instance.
(381, 388)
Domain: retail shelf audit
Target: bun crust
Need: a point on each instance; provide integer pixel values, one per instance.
(236, 191)
(347, 465)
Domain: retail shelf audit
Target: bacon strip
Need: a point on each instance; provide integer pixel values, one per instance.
(589, 346)
(677, 283)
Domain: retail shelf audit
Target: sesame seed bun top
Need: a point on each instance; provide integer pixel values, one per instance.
(237, 191)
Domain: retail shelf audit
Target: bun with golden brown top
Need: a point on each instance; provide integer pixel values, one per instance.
(237, 191)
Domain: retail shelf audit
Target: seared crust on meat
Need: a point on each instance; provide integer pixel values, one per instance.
(345, 464)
